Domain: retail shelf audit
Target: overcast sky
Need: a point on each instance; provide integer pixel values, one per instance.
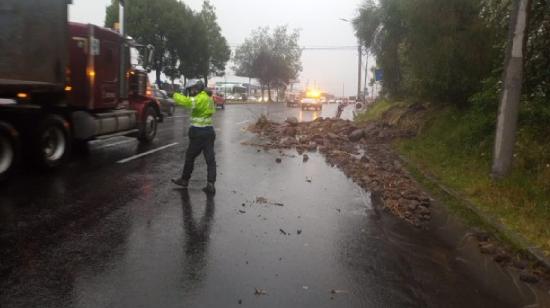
(318, 20)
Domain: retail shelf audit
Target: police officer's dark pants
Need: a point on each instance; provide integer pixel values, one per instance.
(201, 139)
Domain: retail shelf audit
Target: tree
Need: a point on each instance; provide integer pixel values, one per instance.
(214, 52)
(429, 49)
(158, 23)
(272, 57)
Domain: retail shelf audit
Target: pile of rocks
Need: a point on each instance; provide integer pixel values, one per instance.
(362, 152)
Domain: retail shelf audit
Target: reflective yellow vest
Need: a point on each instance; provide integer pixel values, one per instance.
(202, 108)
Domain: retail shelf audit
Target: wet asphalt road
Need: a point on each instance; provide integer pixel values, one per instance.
(109, 230)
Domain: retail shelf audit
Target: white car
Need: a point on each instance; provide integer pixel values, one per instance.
(311, 103)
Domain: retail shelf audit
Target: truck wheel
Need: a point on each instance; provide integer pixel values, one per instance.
(51, 143)
(8, 151)
(148, 129)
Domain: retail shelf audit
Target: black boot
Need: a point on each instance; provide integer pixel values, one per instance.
(181, 182)
(210, 188)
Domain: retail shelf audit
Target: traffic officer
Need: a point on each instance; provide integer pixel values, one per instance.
(201, 133)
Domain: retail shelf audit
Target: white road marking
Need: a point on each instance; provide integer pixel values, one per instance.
(122, 161)
(243, 122)
(115, 144)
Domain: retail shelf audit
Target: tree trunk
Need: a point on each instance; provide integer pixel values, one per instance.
(206, 81)
(249, 86)
(269, 92)
(158, 69)
(511, 94)
(263, 91)
(157, 72)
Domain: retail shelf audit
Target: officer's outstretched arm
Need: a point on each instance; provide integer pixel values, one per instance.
(211, 109)
(183, 100)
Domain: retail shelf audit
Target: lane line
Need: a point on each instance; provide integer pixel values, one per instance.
(243, 122)
(122, 161)
(115, 144)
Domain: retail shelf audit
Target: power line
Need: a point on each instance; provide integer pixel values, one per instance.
(353, 48)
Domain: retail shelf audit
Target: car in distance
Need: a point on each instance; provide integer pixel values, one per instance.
(167, 105)
(292, 99)
(311, 103)
(219, 100)
(312, 100)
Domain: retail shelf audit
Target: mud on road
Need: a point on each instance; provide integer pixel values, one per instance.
(361, 151)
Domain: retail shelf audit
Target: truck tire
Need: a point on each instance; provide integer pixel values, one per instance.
(51, 142)
(9, 150)
(148, 128)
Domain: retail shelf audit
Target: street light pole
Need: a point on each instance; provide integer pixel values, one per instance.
(360, 69)
(359, 66)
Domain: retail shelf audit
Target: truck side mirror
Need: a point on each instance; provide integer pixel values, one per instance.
(149, 53)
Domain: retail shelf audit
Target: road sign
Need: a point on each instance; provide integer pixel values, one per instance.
(379, 74)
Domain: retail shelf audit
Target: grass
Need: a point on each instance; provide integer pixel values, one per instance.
(455, 147)
(377, 110)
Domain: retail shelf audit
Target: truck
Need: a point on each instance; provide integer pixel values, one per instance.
(63, 84)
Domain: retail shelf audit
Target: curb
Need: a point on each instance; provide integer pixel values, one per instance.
(515, 238)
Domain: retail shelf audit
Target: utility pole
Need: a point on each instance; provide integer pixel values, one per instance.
(359, 63)
(511, 93)
(359, 72)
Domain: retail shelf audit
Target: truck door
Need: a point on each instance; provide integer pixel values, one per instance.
(77, 79)
(107, 75)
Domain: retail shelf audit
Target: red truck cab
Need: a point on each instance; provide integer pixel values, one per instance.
(67, 84)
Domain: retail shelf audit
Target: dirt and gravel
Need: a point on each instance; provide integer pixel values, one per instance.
(361, 151)
(364, 153)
